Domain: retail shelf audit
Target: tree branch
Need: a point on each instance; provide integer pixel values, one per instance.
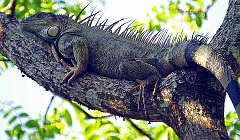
(189, 100)
(197, 12)
(226, 41)
(89, 116)
(49, 105)
(11, 6)
(139, 129)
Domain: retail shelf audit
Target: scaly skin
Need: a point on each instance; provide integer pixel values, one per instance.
(124, 55)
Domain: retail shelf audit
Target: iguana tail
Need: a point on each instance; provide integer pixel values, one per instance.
(196, 52)
(207, 58)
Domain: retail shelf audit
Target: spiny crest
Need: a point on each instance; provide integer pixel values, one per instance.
(162, 38)
(201, 38)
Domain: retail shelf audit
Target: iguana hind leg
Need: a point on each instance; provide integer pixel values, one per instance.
(146, 75)
(152, 80)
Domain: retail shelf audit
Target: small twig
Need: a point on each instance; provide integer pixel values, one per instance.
(192, 11)
(88, 116)
(45, 116)
(11, 6)
(208, 8)
(14, 2)
(139, 129)
(197, 11)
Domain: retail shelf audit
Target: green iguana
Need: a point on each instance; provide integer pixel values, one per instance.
(128, 54)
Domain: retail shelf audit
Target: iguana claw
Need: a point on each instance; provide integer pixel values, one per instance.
(74, 71)
(142, 97)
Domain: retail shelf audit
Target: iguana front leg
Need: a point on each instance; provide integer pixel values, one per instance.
(73, 47)
(53, 51)
(75, 70)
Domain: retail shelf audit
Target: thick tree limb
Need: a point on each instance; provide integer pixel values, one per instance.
(227, 38)
(190, 100)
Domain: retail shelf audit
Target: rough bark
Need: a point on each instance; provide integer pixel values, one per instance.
(190, 100)
(227, 39)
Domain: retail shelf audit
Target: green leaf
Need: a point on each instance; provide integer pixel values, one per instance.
(190, 6)
(150, 25)
(37, 2)
(104, 122)
(173, 8)
(8, 113)
(57, 129)
(17, 131)
(74, 138)
(160, 131)
(32, 124)
(154, 8)
(9, 133)
(94, 137)
(41, 132)
(3, 65)
(230, 119)
(232, 124)
(48, 131)
(23, 115)
(5, 2)
(172, 135)
(106, 126)
(198, 21)
(67, 117)
(90, 129)
(113, 138)
(237, 126)
(17, 107)
(200, 3)
(12, 120)
(162, 16)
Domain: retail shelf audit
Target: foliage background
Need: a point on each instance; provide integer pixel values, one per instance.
(69, 121)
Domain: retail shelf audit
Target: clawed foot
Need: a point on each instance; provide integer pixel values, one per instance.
(74, 71)
(142, 94)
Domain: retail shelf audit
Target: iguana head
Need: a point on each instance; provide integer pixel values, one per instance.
(44, 25)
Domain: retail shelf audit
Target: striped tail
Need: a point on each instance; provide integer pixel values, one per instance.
(203, 55)
(196, 53)
(233, 92)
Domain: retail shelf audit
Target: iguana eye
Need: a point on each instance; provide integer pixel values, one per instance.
(53, 31)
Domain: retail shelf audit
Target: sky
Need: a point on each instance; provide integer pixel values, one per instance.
(34, 99)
